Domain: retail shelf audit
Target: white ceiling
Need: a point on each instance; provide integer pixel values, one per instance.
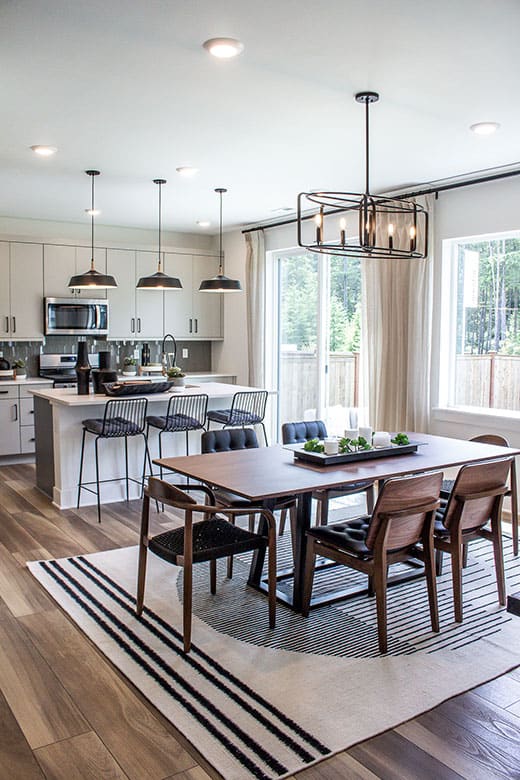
(124, 86)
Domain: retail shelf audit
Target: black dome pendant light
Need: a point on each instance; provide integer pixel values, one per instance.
(159, 280)
(220, 283)
(92, 278)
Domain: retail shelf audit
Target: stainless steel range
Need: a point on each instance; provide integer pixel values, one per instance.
(60, 368)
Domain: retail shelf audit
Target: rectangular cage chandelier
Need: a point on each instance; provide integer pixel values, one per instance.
(386, 227)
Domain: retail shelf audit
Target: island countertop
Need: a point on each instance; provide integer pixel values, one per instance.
(68, 396)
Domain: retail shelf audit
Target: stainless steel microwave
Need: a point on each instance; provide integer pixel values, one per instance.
(76, 317)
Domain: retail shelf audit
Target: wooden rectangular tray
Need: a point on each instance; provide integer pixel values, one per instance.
(320, 459)
(119, 389)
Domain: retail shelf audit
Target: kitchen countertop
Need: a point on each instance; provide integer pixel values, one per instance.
(30, 380)
(69, 396)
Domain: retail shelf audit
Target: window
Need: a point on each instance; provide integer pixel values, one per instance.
(316, 348)
(483, 335)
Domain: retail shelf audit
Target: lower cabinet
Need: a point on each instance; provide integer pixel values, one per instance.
(17, 419)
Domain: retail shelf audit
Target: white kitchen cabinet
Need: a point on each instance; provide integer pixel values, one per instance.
(188, 313)
(148, 303)
(5, 303)
(9, 423)
(121, 313)
(61, 262)
(22, 287)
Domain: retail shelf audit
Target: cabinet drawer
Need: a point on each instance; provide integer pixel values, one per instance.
(11, 391)
(27, 439)
(25, 390)
(26, 411)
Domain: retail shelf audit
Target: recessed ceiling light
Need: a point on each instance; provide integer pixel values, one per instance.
(484, 128)
(44, 151)
(203, 223)
(223, 48)
(187, 170)
(93, 212)
(282, 209)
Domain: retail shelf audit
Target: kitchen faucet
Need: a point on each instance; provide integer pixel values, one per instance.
(168, 358)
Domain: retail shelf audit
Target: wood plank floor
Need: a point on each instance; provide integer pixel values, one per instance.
(67, 714)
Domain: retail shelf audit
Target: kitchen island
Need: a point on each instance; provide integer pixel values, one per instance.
(58, 415)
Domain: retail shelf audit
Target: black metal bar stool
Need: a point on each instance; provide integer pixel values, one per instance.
(184, 413)
(247, 408)
(122, 418)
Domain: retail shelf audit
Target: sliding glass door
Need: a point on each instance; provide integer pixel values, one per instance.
(316, 338)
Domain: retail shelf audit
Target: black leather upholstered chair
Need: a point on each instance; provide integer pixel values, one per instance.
(399, 529)
(247, 408)
(300, 432)
(512, 493)
(209, 539)
(184, 413)
(123, 418)
(228, 439)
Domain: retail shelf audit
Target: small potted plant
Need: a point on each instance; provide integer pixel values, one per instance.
(177, 376)
(19, 367)
(129, 366)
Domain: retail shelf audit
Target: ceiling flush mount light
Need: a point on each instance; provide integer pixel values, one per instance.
(220, 283)
(223, 48)
(159, 280)
(92, 278)
(93, 212)
(187, 170)
(484, 128)
(203, 223)
(385, 227)
(44, 151)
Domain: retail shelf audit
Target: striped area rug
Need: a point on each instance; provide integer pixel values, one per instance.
(265, 704)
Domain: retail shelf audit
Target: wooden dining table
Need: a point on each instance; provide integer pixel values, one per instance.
(262, 475)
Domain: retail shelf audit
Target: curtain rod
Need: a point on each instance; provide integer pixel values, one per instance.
(414, 194)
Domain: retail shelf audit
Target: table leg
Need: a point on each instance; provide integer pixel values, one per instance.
(257, 563)
(303, 522)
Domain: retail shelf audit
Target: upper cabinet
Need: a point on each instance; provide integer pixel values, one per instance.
(133, 314)
(188, 313)
(21, 305)
(62, 262)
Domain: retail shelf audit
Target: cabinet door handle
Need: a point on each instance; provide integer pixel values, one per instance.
(191, 329)
(14, 324)
(132, 325)
(196, 325)
(15, 412)
(31, 411)
(4, 392)
(139, 324)
(33, 439)
(7, 324)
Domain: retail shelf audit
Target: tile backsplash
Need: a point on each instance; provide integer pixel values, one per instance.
(199, 351)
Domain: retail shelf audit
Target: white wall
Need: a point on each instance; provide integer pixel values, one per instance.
(230, 355)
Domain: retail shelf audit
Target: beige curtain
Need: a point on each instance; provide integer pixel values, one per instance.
(255, 279)
(397, 313)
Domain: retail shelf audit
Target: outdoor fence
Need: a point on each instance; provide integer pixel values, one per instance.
(490, 381)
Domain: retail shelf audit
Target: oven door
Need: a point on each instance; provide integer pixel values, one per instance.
(76, 317)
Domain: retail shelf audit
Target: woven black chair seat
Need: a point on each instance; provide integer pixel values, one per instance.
(212, 539)
(342, 490)
(116, 426)
(238, 417)
(235, 501)
(176, 422)
(350, 536)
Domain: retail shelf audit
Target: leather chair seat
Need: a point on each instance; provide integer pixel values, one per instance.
(211, 539)
(116, 426)
(350, 536)
(176, 422)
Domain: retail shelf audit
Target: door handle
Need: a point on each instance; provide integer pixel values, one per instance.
(14, 324)
(15, 407)
(139, 324)
(132, 325)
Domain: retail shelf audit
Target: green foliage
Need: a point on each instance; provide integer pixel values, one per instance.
(313, 445)
(401, 439)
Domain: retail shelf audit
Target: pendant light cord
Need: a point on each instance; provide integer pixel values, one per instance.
(92, 223)
(160, 225)
(220, 256)
(367, 141)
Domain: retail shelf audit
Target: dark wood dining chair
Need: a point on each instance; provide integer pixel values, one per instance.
(300, 432)
(475, 500)
(512, 493)
(208, 539)
(399, 529)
